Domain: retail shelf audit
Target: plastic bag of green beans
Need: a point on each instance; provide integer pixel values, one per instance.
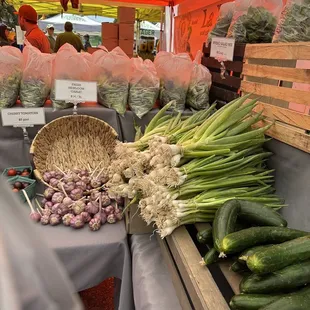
(111, 70)
(10, 75)
(199, 86)
(143, 86)
(37, 77)
(294, 23)
(174, 71)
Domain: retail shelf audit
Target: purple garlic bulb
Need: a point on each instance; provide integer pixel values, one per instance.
(77, 222)
(109, 210)
(58, 175)
(54, 182)
(55, 219)
(48, 193)
(94, 224)
(48, 205)
(75, 177)
(105, 200)
(53, 174)
(76, 194)
(55, 208)
(66, 219)
(43, 201)
(111, 218)
(62, 210)
(94, 195)
(68, 178)
(35, 216)
(104, 179)
(86, 217)
(58, 197)
(120, 201)
(84, 173)
(119, 216)
(76, 170)
(47, 211)
(95, 183)
(81, 185)
(46, 177)
(102, 216)
(92, 208)
(78, 207)
(88, 187)
(86, 180)
(67, 201)
(69, 187)
(45, 219)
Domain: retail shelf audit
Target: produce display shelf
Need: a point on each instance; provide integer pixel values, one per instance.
(197, 286)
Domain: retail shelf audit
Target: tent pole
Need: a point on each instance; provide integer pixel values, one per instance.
(171, 25)
(161, 30)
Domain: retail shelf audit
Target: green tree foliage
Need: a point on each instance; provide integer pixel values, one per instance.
(7, 15)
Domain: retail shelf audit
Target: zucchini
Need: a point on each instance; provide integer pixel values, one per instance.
(296, 301)
(239, 267)
(211, 257)
(284, 280)
(250, 237)
(252, 301)
(258, 214)
(243, 257)
(224, 222)
(205, 236)
(279, 256)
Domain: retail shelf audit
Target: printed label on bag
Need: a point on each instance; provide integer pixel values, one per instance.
(222, 48)
(75, 91)
(23, 117)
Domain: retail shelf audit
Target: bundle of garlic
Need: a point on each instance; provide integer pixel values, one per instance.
(182, 170)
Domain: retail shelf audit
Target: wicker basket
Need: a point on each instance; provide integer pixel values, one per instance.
(72, 141)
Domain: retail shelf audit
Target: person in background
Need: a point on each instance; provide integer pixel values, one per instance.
(86, 43)
(51, 37)
(4, 32)
(68, 37)
(28, 21)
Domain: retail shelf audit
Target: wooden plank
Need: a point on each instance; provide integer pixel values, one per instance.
(284, 115)
(232, 278)
(231, 81)
(178, 285)
(288, 134)
(283, 93)
(198, 279)
(210, 62)
(278, 73)
(299, 51)
(217, 93)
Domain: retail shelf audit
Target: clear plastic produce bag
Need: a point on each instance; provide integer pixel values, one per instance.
(68, 65)
(10, 75)
(294, 23)
(37, 77)
(199, 86)
(223, 21)
(174, 71)
(143, 87)
(111, 70)
(255, 21)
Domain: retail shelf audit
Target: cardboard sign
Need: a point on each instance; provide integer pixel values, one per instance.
(20, 35)
(23, 117)
(222, 48)
(75, 91)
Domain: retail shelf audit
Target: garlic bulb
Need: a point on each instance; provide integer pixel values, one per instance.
(94, 224)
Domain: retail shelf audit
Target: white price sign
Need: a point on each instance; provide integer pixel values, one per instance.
(20, 35)
(23, 117)
(75, 91)
(222, 48)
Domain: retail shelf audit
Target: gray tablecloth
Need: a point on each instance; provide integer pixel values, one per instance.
(153, 288)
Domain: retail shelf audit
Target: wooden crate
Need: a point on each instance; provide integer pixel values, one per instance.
(198, 287)
(269, 71)
(224, 89)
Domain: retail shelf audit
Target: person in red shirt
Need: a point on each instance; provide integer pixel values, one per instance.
(28, 21)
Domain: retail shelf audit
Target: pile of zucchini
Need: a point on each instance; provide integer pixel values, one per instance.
(274, 259)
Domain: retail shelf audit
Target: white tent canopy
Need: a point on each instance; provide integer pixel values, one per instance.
(80, 23)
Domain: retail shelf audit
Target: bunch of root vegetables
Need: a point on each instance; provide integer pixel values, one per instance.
(76, 198)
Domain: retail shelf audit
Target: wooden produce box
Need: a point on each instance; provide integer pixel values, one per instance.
(269, 71)
(198, 287)
(134, 222)
(226, 89)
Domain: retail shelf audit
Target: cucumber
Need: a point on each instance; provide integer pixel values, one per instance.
(295, 301)
(252, 301)
(205, 236)
(247, 253)
(211, 257)
(224, 222)
(284, 280)
(279, 256)
(239, 267)
(258, 214)
(250, 237)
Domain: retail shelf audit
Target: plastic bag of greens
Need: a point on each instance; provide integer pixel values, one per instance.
(223, 21)
(111, 70)
(68, 65)
(255, 21)
(199, 86)
(10, 75)
(174, 71)
(294, 23)
(143, 86)
(37, 77)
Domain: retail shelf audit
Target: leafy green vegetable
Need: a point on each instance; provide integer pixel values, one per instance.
(9, 89)
(33, 92)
